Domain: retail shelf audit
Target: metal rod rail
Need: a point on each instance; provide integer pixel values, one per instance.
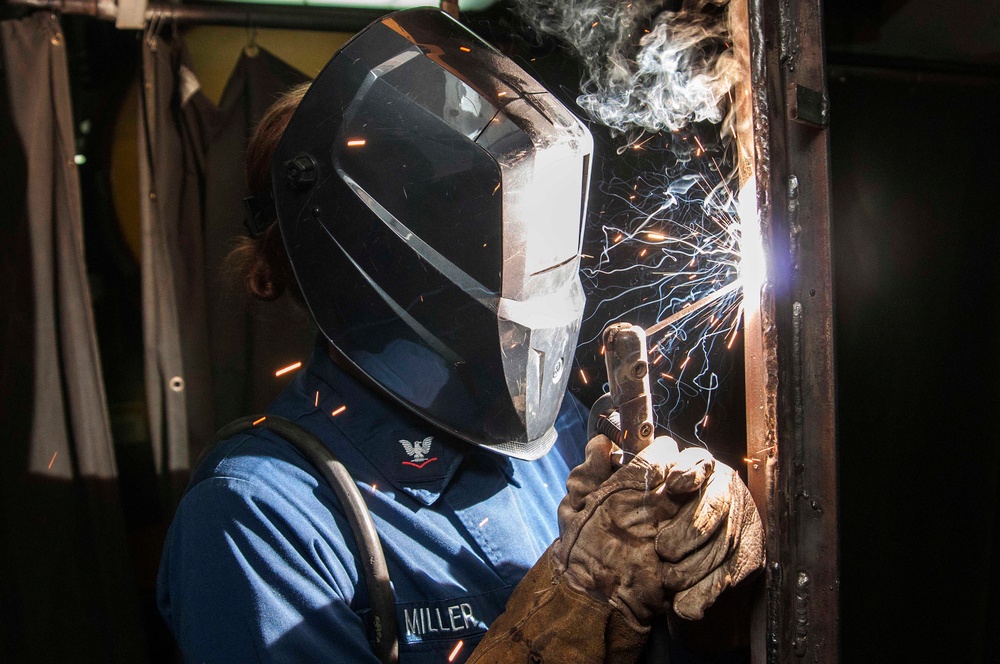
(290, 17)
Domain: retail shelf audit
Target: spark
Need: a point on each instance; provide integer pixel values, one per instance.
(316, 403)
(638, 146)
(732, 338)
(374, 486)
(465, 49)
(483, 522)
(356, 142)
(290, 367)
(338, 411)
(454, 652)
(53, 459)
(667, 243)
(260, 420)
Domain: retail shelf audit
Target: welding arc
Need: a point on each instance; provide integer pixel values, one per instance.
(698, 305)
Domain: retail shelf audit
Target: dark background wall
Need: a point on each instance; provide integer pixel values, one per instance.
(915, 147)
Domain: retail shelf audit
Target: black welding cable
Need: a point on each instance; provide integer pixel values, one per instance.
(372, 558)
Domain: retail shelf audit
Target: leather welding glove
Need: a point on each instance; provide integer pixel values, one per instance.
(591, 596)
(712, 543)
(610, 521)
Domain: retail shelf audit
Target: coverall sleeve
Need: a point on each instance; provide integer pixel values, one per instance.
(247, 576)
(547, 621)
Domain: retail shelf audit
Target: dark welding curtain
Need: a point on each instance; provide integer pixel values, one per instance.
(250, 340)
(211, 352)
(171, 137)
(67, 587)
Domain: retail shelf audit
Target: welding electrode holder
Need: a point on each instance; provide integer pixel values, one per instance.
(625, 414)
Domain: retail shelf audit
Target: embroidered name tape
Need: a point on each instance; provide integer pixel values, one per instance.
(450, 619)
(419, 621)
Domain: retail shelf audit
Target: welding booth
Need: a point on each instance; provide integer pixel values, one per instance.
(850, 377)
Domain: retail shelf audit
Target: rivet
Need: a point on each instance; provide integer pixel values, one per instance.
(639, 370)
(177, 384)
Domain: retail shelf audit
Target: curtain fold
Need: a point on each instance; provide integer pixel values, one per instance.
(172, 132)
(67, 581)
(210, 352)
(250, 340)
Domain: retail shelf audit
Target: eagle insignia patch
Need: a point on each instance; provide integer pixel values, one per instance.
(418, 451)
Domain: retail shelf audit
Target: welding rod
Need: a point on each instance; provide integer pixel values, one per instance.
(695, 307)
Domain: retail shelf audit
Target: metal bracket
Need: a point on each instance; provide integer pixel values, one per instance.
(808, 106)
(131, 15)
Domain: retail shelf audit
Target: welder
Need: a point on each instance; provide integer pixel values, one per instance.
(424, 198)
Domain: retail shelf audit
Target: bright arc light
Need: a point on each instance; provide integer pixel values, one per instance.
(752, 266)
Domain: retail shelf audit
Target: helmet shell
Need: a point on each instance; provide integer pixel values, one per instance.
(431, 195)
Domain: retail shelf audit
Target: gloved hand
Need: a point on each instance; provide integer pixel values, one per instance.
(713, 542)
(630, 538)
(666, 522)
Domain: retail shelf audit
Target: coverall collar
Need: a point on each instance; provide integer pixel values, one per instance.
(413, 455)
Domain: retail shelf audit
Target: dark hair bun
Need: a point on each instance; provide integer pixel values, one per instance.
(260, 265)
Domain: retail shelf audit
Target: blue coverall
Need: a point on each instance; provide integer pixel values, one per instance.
(260, 563)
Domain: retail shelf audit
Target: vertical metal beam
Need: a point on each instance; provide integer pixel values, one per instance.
(789, 340)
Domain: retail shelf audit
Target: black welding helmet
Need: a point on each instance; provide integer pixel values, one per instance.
(431, 196)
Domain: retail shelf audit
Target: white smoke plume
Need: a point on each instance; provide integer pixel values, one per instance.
(648, 64)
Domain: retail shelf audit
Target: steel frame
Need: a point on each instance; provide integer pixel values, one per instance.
(791, 442)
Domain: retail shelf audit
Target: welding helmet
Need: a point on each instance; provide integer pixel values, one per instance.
(431, 195)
